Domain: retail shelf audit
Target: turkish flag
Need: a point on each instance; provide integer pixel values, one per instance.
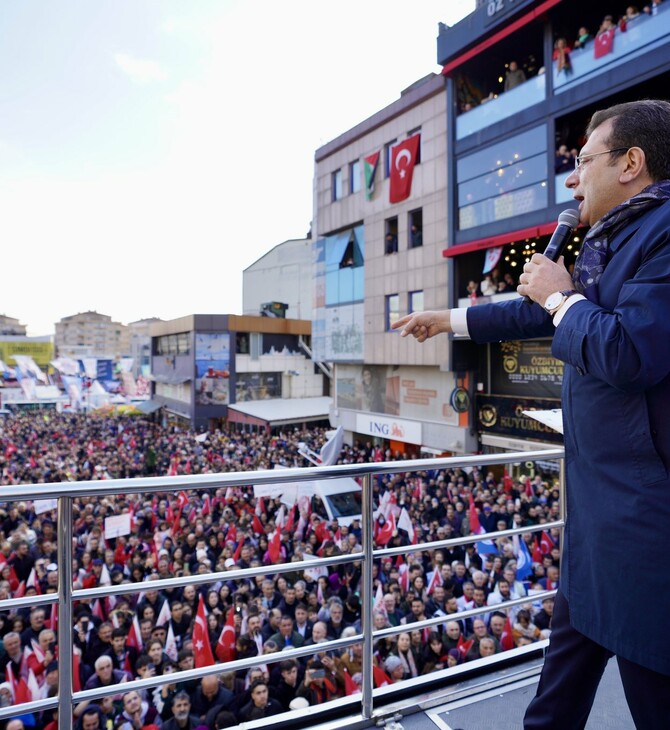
(225, 647)
(238, 550)
(201, 645)
(386, 533)
(507, 639)
(134, 635)
(464, 646)
(546, 543)
(206, 506)
(274, 548)
(182, 500)
(258, 525)
(604, 43)
(435, 580)
(537, 554)
(76, 673)
(403, 159)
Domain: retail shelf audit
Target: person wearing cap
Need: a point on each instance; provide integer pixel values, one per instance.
(393, 666)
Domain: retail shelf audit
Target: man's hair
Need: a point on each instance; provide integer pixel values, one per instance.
(181, 695)
(644, 124)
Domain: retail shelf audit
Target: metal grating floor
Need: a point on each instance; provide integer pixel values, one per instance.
(503, 708)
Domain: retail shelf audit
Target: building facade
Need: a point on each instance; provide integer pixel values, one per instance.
(283, 274)
(523, 78)
(90, 334)
(201, 364)
(380, 218)
(11, 326)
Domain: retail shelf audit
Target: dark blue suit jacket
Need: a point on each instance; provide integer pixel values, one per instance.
(616, 413)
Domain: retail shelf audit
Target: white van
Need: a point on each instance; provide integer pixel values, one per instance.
(342, 498)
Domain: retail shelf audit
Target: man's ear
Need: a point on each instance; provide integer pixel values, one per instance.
(635, 165)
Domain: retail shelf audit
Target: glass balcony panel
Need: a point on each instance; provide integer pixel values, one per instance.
(503, 180)
(500, 207)
(505, 105)
(642, 36)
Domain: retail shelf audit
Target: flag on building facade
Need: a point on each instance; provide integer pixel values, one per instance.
(403, 159)
(370, 164)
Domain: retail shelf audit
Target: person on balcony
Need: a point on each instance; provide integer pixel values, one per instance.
(610, 327)
(514, 76)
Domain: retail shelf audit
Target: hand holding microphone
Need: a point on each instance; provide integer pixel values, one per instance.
(568, 220)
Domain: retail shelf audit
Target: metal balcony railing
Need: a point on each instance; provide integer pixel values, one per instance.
(361, 707)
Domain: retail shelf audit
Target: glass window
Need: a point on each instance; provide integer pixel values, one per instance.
(415, 228)
(392, 309)
(506, 179)
(416, 301)
(503, 180)
(391, 235)
(501, 154)
(387, 157)
(337, 185)
(256, 343)
(355, 176)
(508, 205)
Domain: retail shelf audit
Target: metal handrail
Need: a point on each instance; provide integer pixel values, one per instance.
(66, 594)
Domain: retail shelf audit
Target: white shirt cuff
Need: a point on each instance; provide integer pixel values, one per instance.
(459, 321)
(569, 302)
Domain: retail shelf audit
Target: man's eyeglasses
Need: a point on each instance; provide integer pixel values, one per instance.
(580, 159)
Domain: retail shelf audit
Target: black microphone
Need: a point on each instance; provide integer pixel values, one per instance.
(568, 220)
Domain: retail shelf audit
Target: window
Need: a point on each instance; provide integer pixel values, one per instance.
(391, 235)
(415, 228)
(392, 310)
(387, 157)
(355, 176)
(411, 133)
(352, 256)
(336, 182)
(416, 301)
(256, 343)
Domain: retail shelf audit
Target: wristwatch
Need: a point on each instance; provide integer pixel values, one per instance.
(556, 300)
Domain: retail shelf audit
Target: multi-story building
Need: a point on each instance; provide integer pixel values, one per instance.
(90, 334)
(506, 177)
(483, 188)
(380, 218)
(283, 274)
(139, 336)
(210, 367)
(11, 326)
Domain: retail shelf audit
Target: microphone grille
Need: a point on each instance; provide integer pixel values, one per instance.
(569, 217)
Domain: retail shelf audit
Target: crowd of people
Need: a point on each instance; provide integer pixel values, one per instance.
(155, 632)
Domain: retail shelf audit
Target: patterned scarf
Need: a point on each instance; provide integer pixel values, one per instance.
(592, 258)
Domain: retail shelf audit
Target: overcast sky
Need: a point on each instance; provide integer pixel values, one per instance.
(150, 150)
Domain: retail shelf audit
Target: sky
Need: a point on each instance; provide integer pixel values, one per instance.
(151, 150)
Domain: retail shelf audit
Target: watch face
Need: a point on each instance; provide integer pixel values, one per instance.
(553, 300)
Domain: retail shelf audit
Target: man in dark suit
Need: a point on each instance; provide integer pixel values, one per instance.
(610, 326)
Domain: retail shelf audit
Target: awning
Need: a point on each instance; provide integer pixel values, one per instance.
(148, 406)
(500, 240)
(279, 411)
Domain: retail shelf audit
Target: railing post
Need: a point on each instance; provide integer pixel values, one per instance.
(65, 613)
(367, 685)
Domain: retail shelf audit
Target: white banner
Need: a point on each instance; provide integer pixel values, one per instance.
(117, 525)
